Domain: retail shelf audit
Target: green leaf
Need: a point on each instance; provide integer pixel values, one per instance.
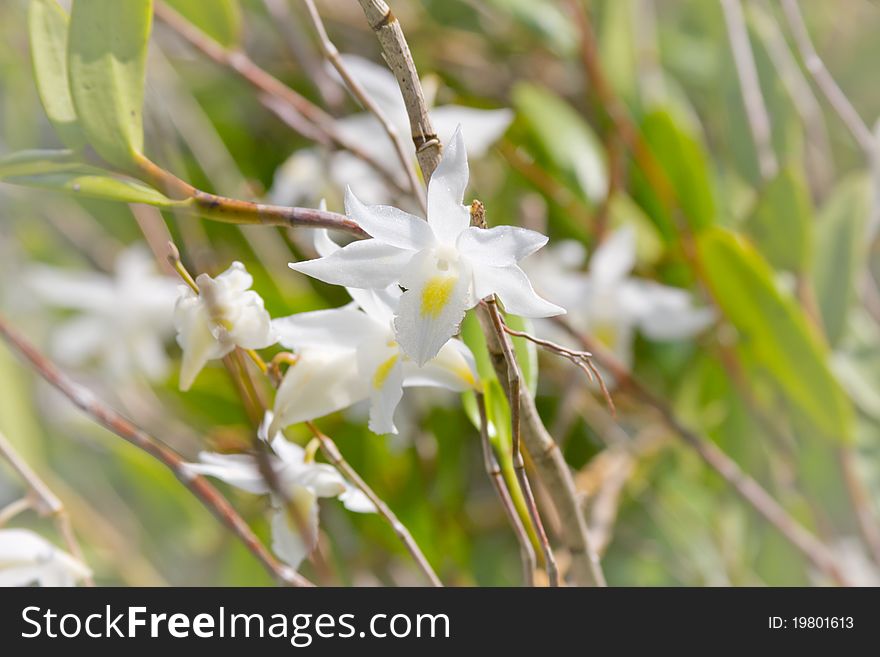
(107, 60)
(683, 160)
(617, 47)
(840, 252)
(564, 137)
(219, 19)
(782, 222)
(774, 332)
(47, 25)
(57, 170)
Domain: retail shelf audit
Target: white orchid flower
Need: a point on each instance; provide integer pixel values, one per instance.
(350, 354)
(610, 304)
(27, 558)
(122, 321)
(224, 314)
(445, 265)
(294, 531)
(299, 180)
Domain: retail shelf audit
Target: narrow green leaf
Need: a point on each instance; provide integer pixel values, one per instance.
(774, 331)
(564, 137)
(219, 19)
(782, 223)
(841, 252)
(107, 60)
(48, 28)
(683, 160)
(543, 18)
(57, 170)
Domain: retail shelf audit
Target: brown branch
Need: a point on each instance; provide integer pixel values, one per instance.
(387, 28)
(235, 211)
(44, 501)
(514, 388)
(748, 489)
(209, 496)
(493, 469)
(358, 91)
(331, 451)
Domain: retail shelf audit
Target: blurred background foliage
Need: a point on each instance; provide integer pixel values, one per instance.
(788, 373)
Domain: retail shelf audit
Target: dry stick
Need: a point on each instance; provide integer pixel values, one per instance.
(583, 360)
(493, 469)
(235, 211)
(829, 88)
(209, 496)
(331, 451)
(544, 450)
(12, 509)
(44, 500)
(753, 99)
(358, 91)
(298, 112)
(514, 396)
(797, 87)
(399, 58)
(749, 489)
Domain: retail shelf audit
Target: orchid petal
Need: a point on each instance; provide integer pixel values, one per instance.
(239, 470)
(320, 383)
(480, 128)
(322, 479)
(195, 339)
(362, 264)
(388, 224)
(446, 214)
(515, 291)
(338, 328)
(355, 500)
(453, 368)
(663, 312)
(500, 246)
(385, 371)
(438, 292)
(615, 257)
(26, 557)
(290, 541)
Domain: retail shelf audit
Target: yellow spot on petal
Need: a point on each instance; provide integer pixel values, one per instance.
(436, 295)
(382, 372)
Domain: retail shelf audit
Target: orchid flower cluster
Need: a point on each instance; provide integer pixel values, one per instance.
(411, 284)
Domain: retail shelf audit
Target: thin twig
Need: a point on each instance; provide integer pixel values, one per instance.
(493, 469)
(396, 50)
(820, 160)
(104, 415)
(12, 509)
(361, 94)
(753, 99)
(45, 501)
(583, 360)
(826, 83)
(514, 386)
(331, 451)
(749, 489)
(298, 112)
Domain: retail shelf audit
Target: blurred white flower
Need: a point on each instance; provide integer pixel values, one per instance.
(122, 321)
(27, 558)
(445, 265)
(607, 302)
(349, 354)
(225, 314)
(301, 178)
(294, 531)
